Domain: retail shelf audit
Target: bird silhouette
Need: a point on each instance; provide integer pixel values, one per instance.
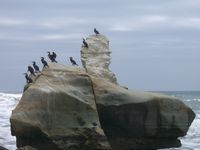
(45, 64)
(28, 79)
(85, 44)
(96, 31)
(73, 61)
(52, 57)
(31, 70)
(37, 69)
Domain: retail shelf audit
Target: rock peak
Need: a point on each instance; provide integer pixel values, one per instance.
(96, 58)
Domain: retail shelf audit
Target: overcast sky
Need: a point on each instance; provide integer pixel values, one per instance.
(155, 44)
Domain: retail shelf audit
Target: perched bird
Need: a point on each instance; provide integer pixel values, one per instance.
(31, 70)
(28, 79)
(96, 31)
(85, 44)
(52, 57)
(37, 69)
(45, 64)
(73, 61)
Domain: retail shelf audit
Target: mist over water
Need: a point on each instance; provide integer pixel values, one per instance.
(190, 142)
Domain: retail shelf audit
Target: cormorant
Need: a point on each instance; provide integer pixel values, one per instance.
(52, 57)
(45, 64)
(73, 61)
(31, 70)
(96, 31)
(85, 44)
(37, 69)
(28, 79)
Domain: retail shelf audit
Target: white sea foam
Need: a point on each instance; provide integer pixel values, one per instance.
(7, 103)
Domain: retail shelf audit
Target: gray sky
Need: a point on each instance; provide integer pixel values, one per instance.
(155, 43)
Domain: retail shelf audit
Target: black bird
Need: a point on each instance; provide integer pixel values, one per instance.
(52, 57)
(31, 70)
(37, 69)
(45, 64)
(73, 61)
(28, 79)
(85, 44)
(96, 31)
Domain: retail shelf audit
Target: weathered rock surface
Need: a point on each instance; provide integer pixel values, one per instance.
(58, 111)
(140, 120)
(71, 108)
(96, 58)
(132, 120)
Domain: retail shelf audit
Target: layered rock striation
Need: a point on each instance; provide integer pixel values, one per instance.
(85, 109)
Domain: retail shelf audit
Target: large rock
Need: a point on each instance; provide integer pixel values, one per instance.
(140, 120)
(132, 120)
(58, 111)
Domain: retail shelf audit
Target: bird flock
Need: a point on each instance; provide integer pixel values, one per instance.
(52, 57)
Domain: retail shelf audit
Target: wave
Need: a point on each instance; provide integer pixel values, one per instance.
(194, 99)
(7, 103)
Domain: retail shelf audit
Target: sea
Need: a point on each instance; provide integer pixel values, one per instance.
(191, 141)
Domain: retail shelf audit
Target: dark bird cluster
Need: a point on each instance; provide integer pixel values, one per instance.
(52, 57)
(35, 69)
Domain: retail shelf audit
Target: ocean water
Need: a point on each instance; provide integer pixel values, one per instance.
(190, 142)
(7, 103)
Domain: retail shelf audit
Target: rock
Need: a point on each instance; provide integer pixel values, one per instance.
(140, 120)
(132, 120)
(58, 111)
(26, 148)
(96, 58)
(2, 148)
(72, 108)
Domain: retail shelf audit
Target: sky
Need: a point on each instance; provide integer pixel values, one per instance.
(155, 44)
